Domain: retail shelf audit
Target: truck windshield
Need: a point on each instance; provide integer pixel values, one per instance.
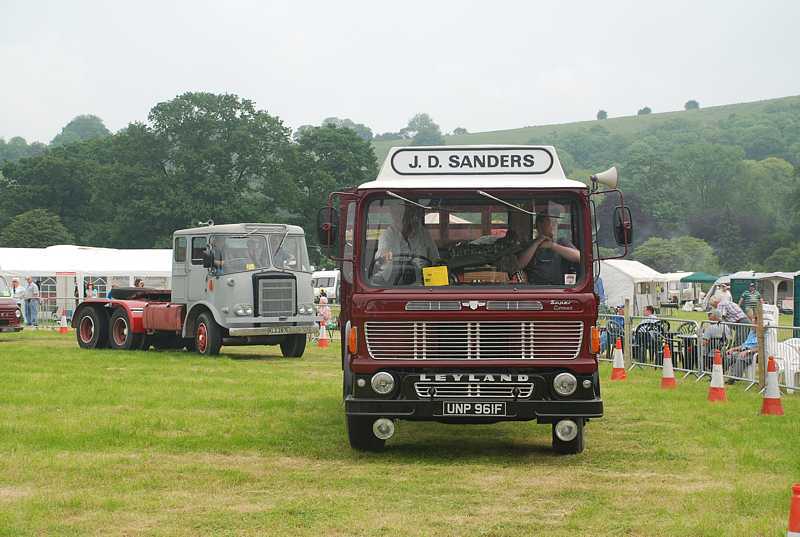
(291, 254)
(239, 253)
(469, 239)
(4, 290)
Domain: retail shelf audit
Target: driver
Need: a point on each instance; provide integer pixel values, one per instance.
(405, 241)
(545, 260)
(217, 250)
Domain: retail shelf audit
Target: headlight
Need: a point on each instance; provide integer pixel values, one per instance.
(565, 384)
(17, 313)
(243, 310)
(305, 309)
(382, 382)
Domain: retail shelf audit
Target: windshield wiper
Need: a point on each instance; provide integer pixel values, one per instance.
(398, 196)
(277, 249)
(506, 203)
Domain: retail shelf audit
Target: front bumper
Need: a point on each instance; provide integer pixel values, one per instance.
(542, 411)
(10, 328)
(541, 403)
(273, 330)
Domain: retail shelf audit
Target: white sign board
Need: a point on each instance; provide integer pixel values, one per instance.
(472, 161)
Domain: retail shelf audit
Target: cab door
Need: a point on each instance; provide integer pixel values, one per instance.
(197, 288)
(180, 269)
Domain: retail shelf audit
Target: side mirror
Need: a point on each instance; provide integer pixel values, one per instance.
(327, 226)
(623, 226)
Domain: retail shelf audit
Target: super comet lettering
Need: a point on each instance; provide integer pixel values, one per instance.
(476, 161)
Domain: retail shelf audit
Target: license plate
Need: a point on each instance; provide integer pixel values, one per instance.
(458, 408)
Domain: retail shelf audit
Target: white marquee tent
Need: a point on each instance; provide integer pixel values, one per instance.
(64, 271)
(632, 280)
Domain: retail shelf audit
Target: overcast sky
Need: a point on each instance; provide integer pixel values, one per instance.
(479, 65)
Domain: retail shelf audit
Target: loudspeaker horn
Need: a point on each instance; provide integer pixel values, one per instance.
(610, 177)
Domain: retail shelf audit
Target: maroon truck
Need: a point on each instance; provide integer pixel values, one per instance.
(467, 291)
(10, 314)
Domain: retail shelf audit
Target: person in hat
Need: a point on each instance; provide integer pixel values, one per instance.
(725, 292)
(750, 298)
(546, 260)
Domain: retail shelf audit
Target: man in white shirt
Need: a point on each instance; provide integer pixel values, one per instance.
(30, 296)
(404, 247)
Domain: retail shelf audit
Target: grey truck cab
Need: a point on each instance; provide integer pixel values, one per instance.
(243, 284)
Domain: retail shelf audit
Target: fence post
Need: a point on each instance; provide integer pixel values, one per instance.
(762, 347)
(627, 334)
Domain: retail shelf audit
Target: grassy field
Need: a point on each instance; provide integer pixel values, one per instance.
(626, 126)
(249, 443)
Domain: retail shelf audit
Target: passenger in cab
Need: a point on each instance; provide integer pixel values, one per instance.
(404, 247)
(546, 261)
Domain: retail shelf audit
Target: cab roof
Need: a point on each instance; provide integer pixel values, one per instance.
(472, 166)
(241, 229)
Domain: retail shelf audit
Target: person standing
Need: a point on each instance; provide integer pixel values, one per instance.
(16, 294)
(30, 296)
(750, 298)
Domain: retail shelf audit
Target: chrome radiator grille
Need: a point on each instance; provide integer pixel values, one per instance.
(472, 389)
(276, 297)
(483, 340)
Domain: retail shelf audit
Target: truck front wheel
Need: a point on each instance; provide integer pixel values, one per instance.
(122, 336)
(293, 346)
(207, 335)
(359, 432)
(571, 446)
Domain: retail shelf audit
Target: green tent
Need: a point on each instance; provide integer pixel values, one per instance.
(700, 277)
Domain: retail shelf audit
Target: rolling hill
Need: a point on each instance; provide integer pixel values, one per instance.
(627, 126)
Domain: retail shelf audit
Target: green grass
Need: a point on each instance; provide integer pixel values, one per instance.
(628, 126)
(249, 443)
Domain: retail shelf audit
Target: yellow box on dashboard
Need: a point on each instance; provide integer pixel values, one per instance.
(435, 276)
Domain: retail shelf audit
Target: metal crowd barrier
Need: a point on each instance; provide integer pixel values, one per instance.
(693, 344)
(783, 344)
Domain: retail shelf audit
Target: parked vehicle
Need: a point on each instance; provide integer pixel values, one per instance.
(234, 284)
(327, 280)
(10, 314)
(441, 319)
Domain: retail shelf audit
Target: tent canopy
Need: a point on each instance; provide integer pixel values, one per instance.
(85, 260)
(699, 277)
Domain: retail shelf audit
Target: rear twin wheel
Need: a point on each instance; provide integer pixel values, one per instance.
(121, 334)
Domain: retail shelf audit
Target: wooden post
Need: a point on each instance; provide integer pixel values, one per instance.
(627, 334)
(762, 347)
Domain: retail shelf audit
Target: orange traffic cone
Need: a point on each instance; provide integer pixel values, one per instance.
(717, 390)
(667, 373)
(772, 395)
(618, 367)
(794, 512)
(323, 340)
(62, 323)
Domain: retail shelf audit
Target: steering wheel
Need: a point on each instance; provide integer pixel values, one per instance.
(407, 268)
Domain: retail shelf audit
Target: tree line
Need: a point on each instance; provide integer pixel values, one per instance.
(199, 156)
(716, 196)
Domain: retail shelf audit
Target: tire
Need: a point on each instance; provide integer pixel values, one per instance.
(359, 432)
(573, 446)
(92, 329)
(120, 335)
(293, 346)
(207, 335)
